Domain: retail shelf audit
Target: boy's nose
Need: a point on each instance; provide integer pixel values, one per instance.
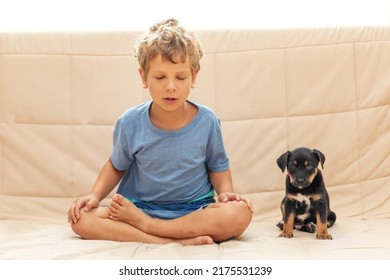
(171, 85)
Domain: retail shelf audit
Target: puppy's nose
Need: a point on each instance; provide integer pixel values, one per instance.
(300, 180)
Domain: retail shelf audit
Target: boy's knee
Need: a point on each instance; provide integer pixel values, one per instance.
(244, 215)
(80, 228)
(240, 215)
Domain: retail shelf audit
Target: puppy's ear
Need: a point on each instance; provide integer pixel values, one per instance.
(320, 156)
(282, 160)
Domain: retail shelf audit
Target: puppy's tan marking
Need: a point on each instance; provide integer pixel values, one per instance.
(316, 197)
(322, 229)
(312, 176)
(288, 227)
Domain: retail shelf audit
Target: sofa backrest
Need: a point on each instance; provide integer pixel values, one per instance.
(274, 90)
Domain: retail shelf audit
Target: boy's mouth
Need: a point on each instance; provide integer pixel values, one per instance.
(170, 100)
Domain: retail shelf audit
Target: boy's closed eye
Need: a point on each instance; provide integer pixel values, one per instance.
(163, 77)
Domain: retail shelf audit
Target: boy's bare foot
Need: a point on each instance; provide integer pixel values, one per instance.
(200, 240)
(121, 209)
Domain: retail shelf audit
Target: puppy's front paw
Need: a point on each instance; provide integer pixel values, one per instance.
(324, 236)
(286, 235)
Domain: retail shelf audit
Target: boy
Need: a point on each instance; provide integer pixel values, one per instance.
(168, 156)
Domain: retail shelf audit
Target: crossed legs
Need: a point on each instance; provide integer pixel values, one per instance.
(123, 221)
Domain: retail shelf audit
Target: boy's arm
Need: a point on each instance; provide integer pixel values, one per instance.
(223, 185)
(221, 181)
(107, 179)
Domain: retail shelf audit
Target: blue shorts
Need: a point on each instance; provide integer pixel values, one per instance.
(173, 210)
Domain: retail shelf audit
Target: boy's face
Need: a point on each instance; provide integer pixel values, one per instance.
(169, 83)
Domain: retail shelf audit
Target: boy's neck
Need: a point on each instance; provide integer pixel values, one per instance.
(175, 119)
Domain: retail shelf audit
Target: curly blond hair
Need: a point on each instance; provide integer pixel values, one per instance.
(170, 40)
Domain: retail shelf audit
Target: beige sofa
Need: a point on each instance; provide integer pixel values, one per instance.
(61, 93)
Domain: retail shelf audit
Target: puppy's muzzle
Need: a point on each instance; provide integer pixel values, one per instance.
(300, 182)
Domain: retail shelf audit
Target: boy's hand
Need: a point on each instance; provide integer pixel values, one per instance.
(88, 202)
(227, 196)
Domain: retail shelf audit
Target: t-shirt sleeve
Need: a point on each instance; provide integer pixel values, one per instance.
(216, 158)
(121, 155)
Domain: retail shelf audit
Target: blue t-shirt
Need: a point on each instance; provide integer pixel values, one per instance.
(167, 166)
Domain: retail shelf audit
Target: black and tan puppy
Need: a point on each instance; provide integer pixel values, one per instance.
(306, 204)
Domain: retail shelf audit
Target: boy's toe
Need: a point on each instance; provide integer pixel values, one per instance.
(117, 198)
(120, 199)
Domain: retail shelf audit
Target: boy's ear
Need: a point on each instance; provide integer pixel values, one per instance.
(143, 77)
(194, 77)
